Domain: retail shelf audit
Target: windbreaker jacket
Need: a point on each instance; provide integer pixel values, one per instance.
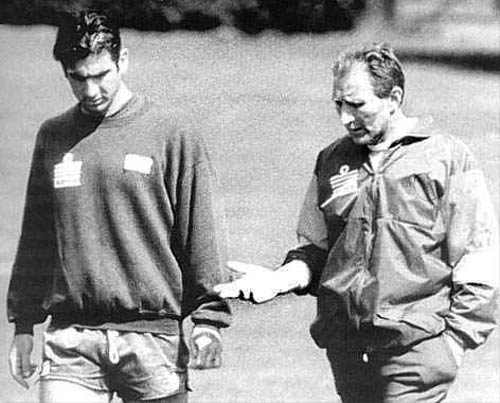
(121, 227)
(403, 252)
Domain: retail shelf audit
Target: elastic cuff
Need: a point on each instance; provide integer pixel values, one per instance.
(204, 329)
(23, 328)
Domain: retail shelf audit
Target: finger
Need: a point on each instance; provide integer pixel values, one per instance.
(202, 342)
(16, 370)
(245, 268)
(258, 298)
(27, 367)
(213, 357)
(200, 358)
(245, 293)
(228, 290)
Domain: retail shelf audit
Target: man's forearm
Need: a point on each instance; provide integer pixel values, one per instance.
(294, 275)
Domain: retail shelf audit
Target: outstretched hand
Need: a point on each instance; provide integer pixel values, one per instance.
(258, 284)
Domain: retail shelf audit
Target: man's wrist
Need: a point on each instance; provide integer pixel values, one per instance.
(23, 328)
(293, 275)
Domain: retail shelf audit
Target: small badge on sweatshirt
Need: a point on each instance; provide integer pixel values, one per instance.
(343, 183)
(138, 163)
(67, 173)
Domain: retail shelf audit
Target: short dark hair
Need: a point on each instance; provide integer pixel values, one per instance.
(89, 32)
(383, 67)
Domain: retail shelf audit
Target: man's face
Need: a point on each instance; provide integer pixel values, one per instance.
(95, 81)
(365, 116)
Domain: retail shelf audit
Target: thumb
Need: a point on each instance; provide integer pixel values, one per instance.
(246, 268)
(202, 341)
(27, 368)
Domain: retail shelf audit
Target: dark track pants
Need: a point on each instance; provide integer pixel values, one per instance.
(422, 373)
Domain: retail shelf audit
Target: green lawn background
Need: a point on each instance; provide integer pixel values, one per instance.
(263, 105)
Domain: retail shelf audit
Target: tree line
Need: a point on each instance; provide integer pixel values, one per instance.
(251, 16)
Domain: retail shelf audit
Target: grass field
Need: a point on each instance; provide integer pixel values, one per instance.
(263, 105)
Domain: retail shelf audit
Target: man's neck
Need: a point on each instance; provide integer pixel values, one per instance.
(399, 127)
(122, 96)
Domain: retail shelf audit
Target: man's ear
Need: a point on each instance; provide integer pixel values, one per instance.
(123, 61)
(396, 98)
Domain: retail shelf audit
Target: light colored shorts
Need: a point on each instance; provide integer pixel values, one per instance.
(137, 366)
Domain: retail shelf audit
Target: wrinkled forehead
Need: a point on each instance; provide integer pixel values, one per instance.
(93, 63)
(352, 82)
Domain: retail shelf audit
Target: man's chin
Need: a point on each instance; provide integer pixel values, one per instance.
(361, 140)
(95, 110)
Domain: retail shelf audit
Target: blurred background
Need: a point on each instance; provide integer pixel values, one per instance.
(255, 74)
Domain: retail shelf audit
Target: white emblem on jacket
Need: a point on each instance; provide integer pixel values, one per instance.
(138, 163)
(345, 182)
(67, 173)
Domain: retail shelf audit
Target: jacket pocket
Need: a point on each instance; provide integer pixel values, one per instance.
(410, 326)
(414, 199)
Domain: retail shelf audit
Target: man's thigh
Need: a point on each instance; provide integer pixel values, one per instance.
(422, 373)
(57, 391)
(150, 367)
(178, 398)
(69, 392)
(357, 378)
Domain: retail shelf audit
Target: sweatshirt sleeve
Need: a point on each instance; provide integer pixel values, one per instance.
(473, 254)
(313, 238)
(37, 251)
(199, 231)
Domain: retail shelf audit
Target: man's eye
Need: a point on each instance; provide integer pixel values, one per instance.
(80, 79)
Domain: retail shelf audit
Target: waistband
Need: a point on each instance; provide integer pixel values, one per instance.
(163, 325)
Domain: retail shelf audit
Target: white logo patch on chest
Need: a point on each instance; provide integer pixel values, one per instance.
(345, 182)
(67, 173)
(138, 163)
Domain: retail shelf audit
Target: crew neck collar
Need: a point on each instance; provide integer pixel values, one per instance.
(128, 111)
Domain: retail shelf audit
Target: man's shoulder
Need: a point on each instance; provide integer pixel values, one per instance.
(343, 146)
(435, 136)
(58, 121)
(169, 115)
(176, 124)
(444, 143)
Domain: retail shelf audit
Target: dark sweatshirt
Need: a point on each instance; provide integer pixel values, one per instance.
(121, 226)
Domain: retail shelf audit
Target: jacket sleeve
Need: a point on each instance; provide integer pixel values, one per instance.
(37, 251)
(312, 237)
(200, 233)
(472, 243)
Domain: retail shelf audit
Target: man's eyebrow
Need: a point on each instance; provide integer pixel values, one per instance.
(348, 101)
(74, 74)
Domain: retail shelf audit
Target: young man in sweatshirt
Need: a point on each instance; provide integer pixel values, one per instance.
(120, 238)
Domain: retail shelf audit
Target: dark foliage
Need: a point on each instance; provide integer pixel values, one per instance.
(251, 16)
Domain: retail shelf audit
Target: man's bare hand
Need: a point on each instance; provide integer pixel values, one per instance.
(206, 348)
(20, 363)
(258, 284)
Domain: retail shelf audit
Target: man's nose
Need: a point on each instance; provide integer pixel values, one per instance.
(346, 116)
(91, 89)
